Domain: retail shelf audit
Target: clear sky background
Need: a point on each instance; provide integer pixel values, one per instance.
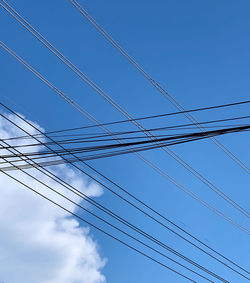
(199, 51)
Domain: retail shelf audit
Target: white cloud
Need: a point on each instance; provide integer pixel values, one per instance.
(40, 243)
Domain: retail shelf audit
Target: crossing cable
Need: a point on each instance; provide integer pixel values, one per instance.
(156, 169)
(86, 157)
(139, 209)
(97, 228)
(112, 214)
(48, 154)
(92, 138)
(210, 185)
(98, 135)
(107, 222)
(162, 90)
(81, 75)
(136, 145)
(92, 119)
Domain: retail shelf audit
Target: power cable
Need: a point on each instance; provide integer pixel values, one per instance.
(162, 90)
(124, 222)
(81, 75)
(93, 135)
(86, 114)
(139, 209)
(91, 118)
(97, 228)
(165, 141)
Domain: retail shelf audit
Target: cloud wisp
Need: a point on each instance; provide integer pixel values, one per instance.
(40, 243)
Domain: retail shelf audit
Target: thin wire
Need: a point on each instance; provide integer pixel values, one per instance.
(175, 127)
(68, 151)
(131, 196)
(81, 75)
(124, 222)
(87, 157)
(165, 141)
(162, 90)
(97, 228)
(91, 118)
(113, 226)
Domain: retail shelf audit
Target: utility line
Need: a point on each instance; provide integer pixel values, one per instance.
(174, 127)
(162, 90)
(109, 223)
(139, 209)
(81, 75)
(165, 141)
(86, 157)
(91, 118)
(83, 196)
(97, 228)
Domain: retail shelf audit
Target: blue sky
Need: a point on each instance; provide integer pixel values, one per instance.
(199, 51)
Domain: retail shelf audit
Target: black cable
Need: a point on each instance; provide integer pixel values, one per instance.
(79, 158)
(97, 228)
(87, 157)
(137, 200)
(92, 135)
(160, 142)
(70, 151)
(127, 224)
(159, 88)
(151, 164)
(159, 116)
(79, 73)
